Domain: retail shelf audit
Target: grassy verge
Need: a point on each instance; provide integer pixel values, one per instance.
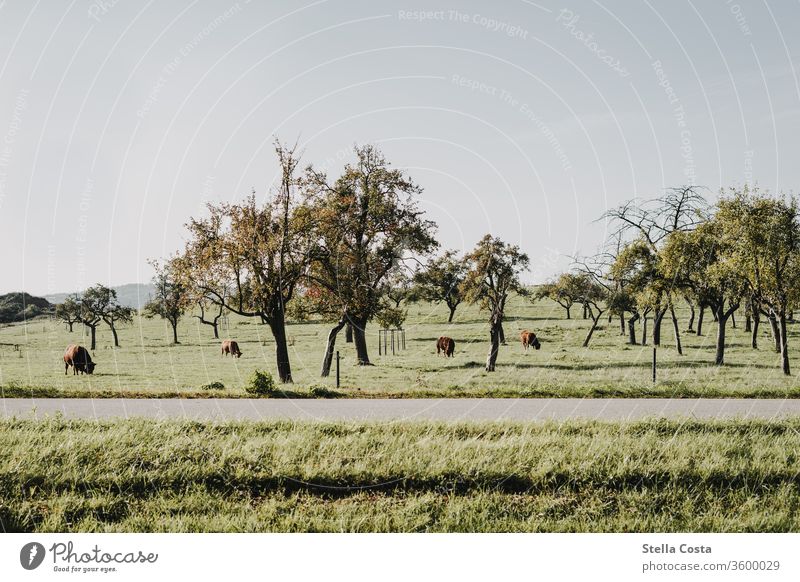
(59, 475)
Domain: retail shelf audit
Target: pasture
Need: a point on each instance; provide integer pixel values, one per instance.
(147, 364)
(181, 476)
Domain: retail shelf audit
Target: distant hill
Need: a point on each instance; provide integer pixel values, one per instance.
(19, 306)
(132, 295)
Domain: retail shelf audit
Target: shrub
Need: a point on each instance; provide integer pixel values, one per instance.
(320, 391)
(213, 386)
(261, 383)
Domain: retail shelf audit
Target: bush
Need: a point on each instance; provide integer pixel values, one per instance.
(213, 386)
(320, 391)
(261, 383)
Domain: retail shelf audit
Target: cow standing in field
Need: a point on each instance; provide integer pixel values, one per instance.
(80, 360)
(447, 345)
(529, 339)
(232, 348)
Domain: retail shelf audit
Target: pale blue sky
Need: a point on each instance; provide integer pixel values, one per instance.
(526, 120)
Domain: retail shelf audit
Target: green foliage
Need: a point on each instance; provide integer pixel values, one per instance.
(22, 306)
(260, 383)
(213, 386)
(390, 317)
(494, 269)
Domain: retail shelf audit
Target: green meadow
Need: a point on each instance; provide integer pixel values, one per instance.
(147, 364)
(70, 476)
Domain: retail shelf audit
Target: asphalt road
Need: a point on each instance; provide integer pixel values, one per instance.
(450, 409)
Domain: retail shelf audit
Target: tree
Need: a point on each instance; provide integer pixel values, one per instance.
(763, 234)
(397, 288)
(697, 260)
(366, 225)
(170, 300)
(249, 258)
(565, 290)
(99, 304)
(69, 311)
(441, 280)
(494, 268)
(215, 313)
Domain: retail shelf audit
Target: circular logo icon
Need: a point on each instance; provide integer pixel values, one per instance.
(31, 555)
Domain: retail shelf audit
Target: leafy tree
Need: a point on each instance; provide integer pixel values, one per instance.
(697, 260)
(210, 313)
(763, 234)
(99, 304)
(494, 269)
(441, 280)
(565, 290)
(249, 258)
(390, 316)
(69, 311)
(365, 224)
(170, 300)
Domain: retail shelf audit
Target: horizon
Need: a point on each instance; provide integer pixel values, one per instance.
(528, 121)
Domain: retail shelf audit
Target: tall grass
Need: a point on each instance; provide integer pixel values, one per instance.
(59, 475)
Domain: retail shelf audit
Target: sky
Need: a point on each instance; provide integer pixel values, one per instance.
(119, 120)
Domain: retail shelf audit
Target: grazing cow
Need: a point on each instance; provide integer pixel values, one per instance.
(80, 360)
(529, 339)
(447, 345)
(232, 348)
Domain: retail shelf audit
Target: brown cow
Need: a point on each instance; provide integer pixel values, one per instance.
(529, 339)
(80, 360)
(232, 348)
(447, 345)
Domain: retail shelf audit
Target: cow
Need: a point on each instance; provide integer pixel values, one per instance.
(232, 348)
(80, 360)
(529, 339)
(445, 345)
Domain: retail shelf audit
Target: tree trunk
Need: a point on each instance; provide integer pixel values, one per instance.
(568, 308)
(657, 318)
(632, 329)
(690, 329)
(748, 322)
(644, 330)
(676, 330)
(360, 340)
(452, 313)
(348, 333)
(773, 324)
(331, 344)
(215, 325)
(733, 320)
(700, 320)
(722, 321)
(784, 343)
(278, 327)
(94, 337)
(116, 337)
(174, 325)
(585, 316)
(595, 321)
(70, 324)
(494, 345)
(502, 333)
(756, 323)
(622, 323)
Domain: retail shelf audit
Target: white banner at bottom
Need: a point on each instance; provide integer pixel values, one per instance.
(355, 557)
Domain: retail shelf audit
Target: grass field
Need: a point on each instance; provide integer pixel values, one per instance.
(147, 365)
(59, 475)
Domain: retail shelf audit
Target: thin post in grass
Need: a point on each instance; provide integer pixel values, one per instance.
(337, 368)
(379, 342)
(654, 364)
